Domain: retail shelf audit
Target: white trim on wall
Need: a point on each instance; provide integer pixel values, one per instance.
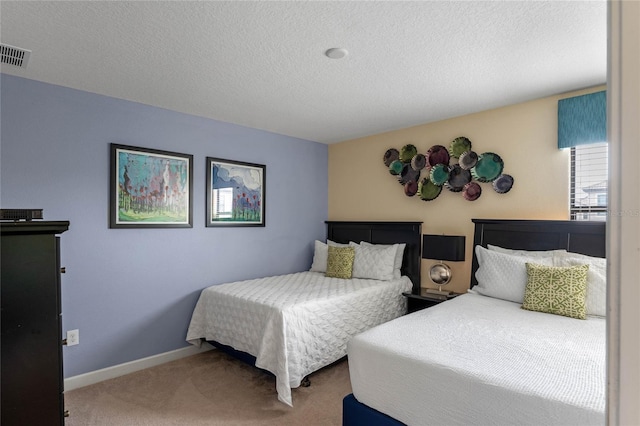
(623, 226)
(97, 376)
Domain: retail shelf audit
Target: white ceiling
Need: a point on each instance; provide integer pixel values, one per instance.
(262, 64)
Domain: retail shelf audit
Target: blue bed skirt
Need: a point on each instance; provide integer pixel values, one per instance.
(355, 413)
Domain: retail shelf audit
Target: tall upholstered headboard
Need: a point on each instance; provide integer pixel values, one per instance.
(384, 233)
(575, 236)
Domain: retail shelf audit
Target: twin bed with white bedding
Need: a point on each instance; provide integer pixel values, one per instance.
(478, 360)
(482, 359)
(295, 324)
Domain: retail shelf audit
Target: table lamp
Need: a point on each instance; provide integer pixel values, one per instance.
(442, 247)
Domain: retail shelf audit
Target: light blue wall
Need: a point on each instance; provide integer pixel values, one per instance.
(131, 292)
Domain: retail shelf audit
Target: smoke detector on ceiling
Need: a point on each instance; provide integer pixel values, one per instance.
(336, 53)
(15, 56)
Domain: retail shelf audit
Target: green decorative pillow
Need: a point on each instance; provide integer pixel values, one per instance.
(557, 290)
(340, 262)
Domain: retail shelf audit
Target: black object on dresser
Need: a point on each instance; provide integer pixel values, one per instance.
(416, 302)
(32, 376)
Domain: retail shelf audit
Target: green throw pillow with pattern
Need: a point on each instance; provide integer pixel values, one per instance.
(340, 262)
(557, 290)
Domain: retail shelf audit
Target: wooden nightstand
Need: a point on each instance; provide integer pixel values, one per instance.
(416, 302)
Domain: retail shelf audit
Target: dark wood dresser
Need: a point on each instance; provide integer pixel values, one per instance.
(32, 377)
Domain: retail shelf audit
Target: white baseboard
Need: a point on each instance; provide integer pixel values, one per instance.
(92, 377)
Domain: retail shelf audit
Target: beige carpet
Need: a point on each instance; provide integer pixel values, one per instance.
(210, 388)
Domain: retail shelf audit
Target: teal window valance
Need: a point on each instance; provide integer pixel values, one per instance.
(582, 120)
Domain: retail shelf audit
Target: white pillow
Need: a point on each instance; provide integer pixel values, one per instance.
(528, 253)
(397, 264)
(320, 254)
(504, 276)
(596, 279)
(374, 262)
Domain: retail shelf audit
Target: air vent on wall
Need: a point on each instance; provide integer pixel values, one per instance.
(14, 55)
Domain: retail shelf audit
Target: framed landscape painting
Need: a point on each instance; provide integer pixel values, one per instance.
(150, 188)
(235, 193)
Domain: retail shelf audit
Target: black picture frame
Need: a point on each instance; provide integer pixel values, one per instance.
(150, 188)
(235, 193)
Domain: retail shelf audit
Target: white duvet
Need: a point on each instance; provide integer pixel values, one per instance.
(483, 361)
(294, 324)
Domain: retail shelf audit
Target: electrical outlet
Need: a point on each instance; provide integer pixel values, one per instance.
(73, 337)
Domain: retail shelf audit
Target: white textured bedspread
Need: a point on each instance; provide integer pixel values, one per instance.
(294, 324)
(475, 360)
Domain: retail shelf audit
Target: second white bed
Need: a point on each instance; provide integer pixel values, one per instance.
(480, 360)
(294, 324)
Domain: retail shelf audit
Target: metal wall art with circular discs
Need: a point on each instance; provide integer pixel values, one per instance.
(458, 168)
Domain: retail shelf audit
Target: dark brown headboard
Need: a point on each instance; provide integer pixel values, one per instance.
(575, 236)
(385, 233)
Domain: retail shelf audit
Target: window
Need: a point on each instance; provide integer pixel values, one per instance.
(222, 203)
(588, 190)
(602, 199)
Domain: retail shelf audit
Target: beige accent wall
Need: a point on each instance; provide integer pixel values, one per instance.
(524, 135)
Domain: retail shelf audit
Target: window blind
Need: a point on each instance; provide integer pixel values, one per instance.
(589, 179)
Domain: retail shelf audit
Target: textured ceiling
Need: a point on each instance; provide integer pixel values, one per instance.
(262, 64)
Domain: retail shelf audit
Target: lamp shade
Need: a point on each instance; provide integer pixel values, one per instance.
(443, 247)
